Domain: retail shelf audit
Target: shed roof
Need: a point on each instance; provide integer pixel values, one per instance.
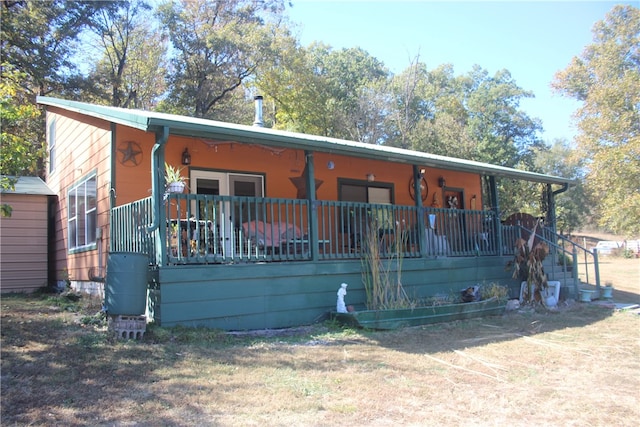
(150, 121)
(30, 185)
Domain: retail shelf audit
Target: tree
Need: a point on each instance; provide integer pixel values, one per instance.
(354, 80)
(573, 207)
(296, 84)
(320, 91)
(131, 71)
(606, 79)
(473, 116)
(406, 108)
(19, 134)
(38, 38)
(219, 44)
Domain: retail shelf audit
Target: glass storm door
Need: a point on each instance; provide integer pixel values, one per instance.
(226, 216)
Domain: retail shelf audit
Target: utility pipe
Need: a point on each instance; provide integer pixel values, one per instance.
(157, 164)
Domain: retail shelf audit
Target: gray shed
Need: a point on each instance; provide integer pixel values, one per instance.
(24, 236)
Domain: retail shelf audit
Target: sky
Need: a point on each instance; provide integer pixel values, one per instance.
(531, 39)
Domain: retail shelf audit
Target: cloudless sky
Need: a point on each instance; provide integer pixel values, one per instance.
(531, 39)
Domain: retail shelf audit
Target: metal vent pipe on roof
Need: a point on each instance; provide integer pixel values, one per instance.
(258, 103)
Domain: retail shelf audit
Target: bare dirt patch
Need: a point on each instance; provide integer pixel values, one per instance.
(576, 366)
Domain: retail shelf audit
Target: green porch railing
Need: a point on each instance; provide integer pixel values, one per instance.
(198, 228)
(128, 232)
(570, 261)
(206, 228)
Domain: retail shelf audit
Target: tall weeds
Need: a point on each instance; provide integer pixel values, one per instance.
(382, 269)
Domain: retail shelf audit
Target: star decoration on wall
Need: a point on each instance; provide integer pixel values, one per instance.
(301, 184)
(130, 151)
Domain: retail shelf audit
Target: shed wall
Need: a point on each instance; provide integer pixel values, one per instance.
(23, 243)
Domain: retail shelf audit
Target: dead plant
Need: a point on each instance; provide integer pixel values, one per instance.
(527, 266)
(382, 270)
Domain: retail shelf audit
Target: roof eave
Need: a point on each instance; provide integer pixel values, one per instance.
(209, 129)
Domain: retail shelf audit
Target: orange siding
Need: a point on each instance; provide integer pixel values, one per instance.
(23, 244)
(282, 164)
(132, 181)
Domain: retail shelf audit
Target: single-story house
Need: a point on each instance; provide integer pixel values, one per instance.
(271, 222)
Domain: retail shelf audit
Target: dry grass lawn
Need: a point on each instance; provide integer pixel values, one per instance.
(578, 366)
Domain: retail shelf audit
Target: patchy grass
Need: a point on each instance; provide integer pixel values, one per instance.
(576, 366)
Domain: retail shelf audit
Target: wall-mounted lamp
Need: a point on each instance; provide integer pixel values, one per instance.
(371, 177)
(441, 182)
(330, 165)
(186, 157)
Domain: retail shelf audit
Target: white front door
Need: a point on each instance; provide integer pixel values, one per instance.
(226, 184)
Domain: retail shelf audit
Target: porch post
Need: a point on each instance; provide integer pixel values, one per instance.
(551, 209)
(495, 207)
(313, 214)
(420, 224)
(159, 224)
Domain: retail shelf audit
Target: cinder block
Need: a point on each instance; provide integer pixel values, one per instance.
(128, 327)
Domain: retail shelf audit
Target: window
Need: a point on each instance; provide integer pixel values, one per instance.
(52, 145)
(82, 215)
(364, 191)
(355, 218)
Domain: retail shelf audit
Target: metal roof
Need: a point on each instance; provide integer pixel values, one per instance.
(150, 121)
(30, 185)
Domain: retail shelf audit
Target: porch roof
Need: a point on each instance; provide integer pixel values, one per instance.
(150, 121)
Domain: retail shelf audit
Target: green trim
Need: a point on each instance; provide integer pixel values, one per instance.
(114, 154)
(194, 127)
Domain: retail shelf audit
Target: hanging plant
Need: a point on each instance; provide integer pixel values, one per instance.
(175, 182)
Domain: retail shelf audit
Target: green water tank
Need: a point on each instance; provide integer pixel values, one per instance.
(126, 283)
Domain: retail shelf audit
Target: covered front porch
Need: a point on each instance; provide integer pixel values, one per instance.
(235, 262)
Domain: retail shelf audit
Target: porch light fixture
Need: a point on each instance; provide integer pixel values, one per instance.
(441, 182)
(186, 157)
(371, 177)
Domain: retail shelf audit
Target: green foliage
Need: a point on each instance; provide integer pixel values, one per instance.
(130, 73)
(38, 38)
(173, 174)
(19, 150)
(318, 90)
(606, 78)
(219, 46)
(474, 116)
(573, 207)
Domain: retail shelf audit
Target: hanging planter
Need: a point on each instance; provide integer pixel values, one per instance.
(176, 187)
(175, 181)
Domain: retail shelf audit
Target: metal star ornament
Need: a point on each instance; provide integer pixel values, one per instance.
(130, 150)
